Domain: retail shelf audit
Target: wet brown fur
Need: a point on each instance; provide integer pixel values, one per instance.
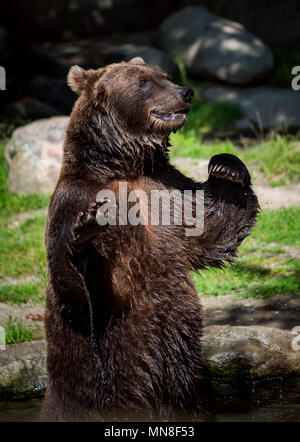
(139, 353)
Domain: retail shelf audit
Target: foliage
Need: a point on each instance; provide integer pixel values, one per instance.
(277, 158)
(16, 331)
(268, 262)
(22, 250)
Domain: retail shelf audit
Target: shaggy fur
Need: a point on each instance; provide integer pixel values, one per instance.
(123, 319)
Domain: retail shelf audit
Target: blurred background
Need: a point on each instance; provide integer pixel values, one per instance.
(241, 58)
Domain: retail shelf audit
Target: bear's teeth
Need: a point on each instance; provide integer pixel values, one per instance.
(166, 116)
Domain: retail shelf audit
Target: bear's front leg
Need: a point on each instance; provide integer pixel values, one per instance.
(230, 209)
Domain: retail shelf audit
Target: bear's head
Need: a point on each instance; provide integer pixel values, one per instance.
(139, 98)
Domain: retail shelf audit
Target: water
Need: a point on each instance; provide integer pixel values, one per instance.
(271, 400)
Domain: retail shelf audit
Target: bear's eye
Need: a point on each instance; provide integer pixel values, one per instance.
(144, 81)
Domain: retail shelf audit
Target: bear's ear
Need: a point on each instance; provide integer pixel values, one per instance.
(137, 60)
(78, 78)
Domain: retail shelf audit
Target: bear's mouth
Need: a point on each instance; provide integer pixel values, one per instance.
(170, 116)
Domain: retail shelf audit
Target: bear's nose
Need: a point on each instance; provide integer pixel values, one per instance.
(186, 94)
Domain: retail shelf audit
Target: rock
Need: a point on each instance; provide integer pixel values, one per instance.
(96, 53)
(263, 17)
(40, 64)
(228, 352)
(64, 20)
(33, 156)
(53, 91)
(215, 47)
(149, 54)
(265, 107)
(249, 351)
(88, 52)
(29, 107)
(23, 370)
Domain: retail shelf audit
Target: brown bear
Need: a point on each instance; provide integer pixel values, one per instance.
(123, 318)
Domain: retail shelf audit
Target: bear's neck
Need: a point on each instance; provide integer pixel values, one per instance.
(95, 146)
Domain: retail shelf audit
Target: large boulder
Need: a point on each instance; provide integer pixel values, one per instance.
(250, 352)
(215, 47)
(149, 54)
(227, 352)
(67, 19)
(33, 156)
(23, 370)
(265, 107)
(97, 53)
(274, 21)
(29, 107)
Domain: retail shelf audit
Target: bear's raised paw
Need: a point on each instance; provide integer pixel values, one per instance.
(229, 167)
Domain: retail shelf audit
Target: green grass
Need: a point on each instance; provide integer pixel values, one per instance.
(278, 158)
(22, 249)
(210, 118)
(23, 293)
(266, 265)
(22, 254)
(205, 118)
(16, 331)
(24, 246)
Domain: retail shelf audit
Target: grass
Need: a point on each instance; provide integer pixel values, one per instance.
(210, 118)
(268, 264)
(23, 293)
(278, 158)
(205, 118)
(16, 331)
(22, 250)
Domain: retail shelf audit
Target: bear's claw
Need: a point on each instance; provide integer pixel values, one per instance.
(87, 217)
(86, 224)
(229, 167)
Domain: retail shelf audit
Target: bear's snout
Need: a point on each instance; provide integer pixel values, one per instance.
(186, 94)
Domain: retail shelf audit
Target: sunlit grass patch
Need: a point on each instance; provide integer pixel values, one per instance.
(22, 250)
(23, 293)
(210, 118)
(16, 331)
(281, 226)
(264, 267)
(278, 159)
